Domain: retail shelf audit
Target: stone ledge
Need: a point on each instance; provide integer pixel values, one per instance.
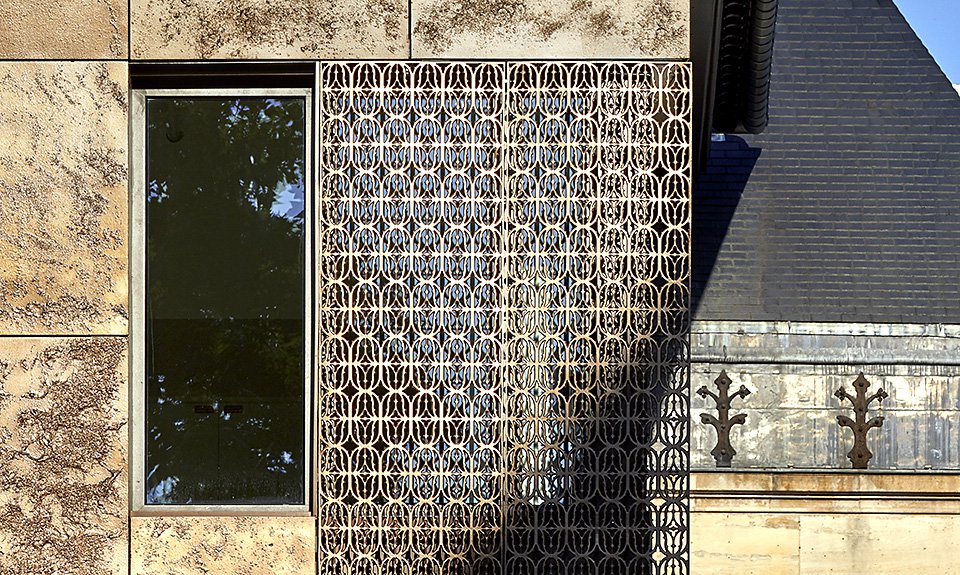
(836, 483)
(910, 493)
(825, 343)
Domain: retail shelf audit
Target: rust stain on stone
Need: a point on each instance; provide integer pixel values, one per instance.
(63, 198)
(63, 437)
(269, 29)
(571, 28)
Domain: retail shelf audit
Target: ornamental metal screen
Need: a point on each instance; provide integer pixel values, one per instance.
(503, 313)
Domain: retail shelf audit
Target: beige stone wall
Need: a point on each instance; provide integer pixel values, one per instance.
(63, 29)
(63, 198)
(252, 29)
(811, 524)
(63, 288)
(343, 29)
(550, 29)
(223, 545)
(63, 456)
(392, 29)
(63, 305)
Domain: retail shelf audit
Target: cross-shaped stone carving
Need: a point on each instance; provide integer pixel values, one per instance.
(860, 455)
(724, 451)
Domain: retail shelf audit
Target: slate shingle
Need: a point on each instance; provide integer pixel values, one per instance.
(847, 208)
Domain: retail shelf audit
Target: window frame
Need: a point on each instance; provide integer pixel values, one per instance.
(137, 425)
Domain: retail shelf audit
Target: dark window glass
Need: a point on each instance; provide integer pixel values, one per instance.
(225, 301)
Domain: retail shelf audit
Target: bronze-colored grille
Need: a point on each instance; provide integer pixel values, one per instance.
(503, 304)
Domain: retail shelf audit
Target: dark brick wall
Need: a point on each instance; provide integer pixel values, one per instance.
(848, 207)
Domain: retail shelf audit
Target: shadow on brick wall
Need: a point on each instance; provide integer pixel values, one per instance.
(716, 195)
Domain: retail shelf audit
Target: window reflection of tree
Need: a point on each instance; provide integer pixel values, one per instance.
(225, 300)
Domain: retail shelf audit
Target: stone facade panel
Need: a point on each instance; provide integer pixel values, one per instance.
(223, 545)
(63, 452)
(814, 523)
(550, 29)
(892, 544)
(772, 543)
(63, 198)
(63, 29)
(263, 29)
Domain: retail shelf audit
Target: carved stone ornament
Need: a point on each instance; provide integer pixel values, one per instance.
(860, 455)
(724, 451)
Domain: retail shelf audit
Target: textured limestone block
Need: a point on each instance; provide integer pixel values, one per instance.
(223, 545)
(248, 29)
(63, 198)
(814, 544)
(551, 29)
(63, 29)
(63, 456)
(742, 544)
(887, 544)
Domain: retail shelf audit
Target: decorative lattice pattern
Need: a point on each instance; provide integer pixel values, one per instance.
(503, 309)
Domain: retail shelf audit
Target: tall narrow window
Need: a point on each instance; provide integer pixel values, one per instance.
(225, 326)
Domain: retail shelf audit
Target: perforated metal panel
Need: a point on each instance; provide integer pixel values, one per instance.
(503, 309)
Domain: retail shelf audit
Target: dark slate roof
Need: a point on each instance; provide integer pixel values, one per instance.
(847, 208)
